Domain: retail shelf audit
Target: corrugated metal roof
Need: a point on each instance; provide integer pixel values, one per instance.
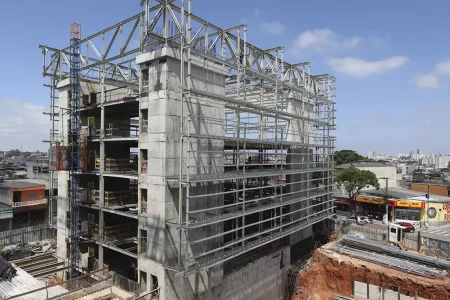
(24, 282)
(402, 193)
(20, 184)
(364, 164)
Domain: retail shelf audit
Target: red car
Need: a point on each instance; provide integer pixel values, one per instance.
(409, 227)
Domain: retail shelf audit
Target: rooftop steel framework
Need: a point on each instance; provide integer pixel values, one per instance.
(261, 120)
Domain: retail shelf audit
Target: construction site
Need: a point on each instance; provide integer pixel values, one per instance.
(193, 163)
(357, 268)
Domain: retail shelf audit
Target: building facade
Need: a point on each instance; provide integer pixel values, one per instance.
(24, 203)
(380, 170)
(205, 176)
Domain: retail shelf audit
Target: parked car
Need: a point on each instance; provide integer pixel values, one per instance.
(357, 220)
(376, 216)
(409, 227)
(366, 219)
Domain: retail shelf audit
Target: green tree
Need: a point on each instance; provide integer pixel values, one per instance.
(13, 152)
(348, 156)
(354, 180)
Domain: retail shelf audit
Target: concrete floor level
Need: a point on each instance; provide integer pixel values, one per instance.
(206, 159)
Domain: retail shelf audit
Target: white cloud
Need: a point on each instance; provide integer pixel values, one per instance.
(273, 27)
(322, 40)
(442, 68)
(357, 67)
(429, 81)
(23, 124)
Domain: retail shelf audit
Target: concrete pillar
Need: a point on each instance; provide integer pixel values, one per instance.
(10, 224)
(101, 177)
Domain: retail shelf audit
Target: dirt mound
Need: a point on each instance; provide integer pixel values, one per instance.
(330, 273)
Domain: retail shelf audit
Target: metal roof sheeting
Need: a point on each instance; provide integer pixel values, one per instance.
(24, 282)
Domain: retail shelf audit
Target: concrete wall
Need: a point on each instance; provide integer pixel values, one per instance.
(388, 171)
(441, 190)
(63, 177)
(5, 196)
(265, 278)
(35, 167)
(162, 108)
(30, 194)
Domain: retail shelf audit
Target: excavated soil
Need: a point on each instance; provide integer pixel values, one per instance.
(331, 273)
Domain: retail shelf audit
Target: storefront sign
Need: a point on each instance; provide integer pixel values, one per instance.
(402, 203)
(446, 209)
(368, 199)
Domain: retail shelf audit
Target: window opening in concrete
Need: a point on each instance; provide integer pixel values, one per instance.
(32, 196)
(143, 237)
(143, 280)
(17, 195)
(154, 282)
(144, 123)
(144, 161)
(145, 82)
(143, 200)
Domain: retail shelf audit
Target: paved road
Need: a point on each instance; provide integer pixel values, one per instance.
(442, 234)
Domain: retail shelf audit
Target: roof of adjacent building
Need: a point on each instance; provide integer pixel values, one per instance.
(20, 184)
(365, 164)
(405, 194)
(435, 235)
(24, 282)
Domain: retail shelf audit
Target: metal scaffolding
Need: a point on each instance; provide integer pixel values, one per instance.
(264, 167)
(261, 120)
(75, 150)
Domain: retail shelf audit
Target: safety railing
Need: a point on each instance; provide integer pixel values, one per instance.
(29, 203)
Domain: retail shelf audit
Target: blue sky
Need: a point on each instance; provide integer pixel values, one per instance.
(390, 58)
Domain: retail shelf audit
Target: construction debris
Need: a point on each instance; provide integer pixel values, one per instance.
(392, 257)
(18, 251)
(332, 274)
(7, 271)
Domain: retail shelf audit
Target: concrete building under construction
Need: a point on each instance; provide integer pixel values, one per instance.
(205, 161)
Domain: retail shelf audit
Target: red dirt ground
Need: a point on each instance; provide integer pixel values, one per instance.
(331, 273)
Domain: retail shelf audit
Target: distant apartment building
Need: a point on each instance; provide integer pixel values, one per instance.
(38, 168)
(376, 156)
(427, 160)
(442, 161)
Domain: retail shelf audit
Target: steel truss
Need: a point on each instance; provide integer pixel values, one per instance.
(258, 89)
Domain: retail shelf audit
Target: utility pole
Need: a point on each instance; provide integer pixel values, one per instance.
(428, 196)
(386, 198)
